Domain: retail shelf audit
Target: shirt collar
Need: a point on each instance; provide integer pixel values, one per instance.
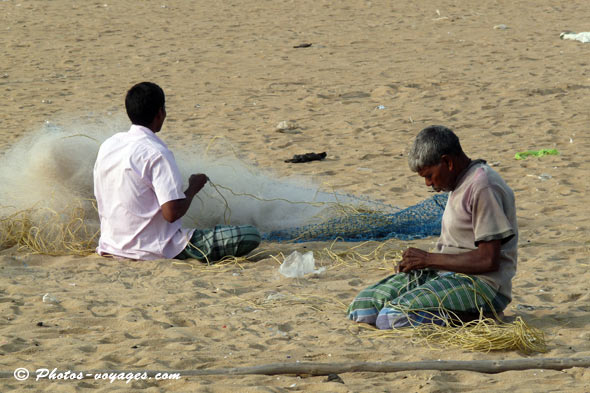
(141, 130)
(466, 170)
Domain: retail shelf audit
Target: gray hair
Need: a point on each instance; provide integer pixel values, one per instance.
(430, 145)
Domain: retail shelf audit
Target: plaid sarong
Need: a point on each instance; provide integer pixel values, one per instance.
(423, 296)
(222, 241)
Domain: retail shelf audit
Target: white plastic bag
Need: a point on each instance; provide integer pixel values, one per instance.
(582, 37)
(298, 265)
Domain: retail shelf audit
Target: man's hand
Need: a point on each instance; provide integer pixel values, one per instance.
(173, 210)
(196, 183)
(484, 259)
(413, 259)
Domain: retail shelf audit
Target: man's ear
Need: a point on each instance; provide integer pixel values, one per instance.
(448, 161)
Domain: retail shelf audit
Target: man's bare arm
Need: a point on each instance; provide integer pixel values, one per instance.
(484, 259)
(174, 210)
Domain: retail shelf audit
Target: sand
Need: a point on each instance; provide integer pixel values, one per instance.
(377, 72)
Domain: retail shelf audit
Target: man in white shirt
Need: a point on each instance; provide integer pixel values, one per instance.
(472, 267)
(138, 189)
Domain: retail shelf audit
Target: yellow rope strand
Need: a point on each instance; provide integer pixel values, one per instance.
(481, 334)
(42, 230)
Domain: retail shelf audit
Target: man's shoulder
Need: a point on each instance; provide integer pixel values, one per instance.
(485, 176)
(489, 182)
(112, 143)
(482, 180)
(115, 138)
(137, 143)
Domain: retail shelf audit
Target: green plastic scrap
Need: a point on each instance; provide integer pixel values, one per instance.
(536, 153)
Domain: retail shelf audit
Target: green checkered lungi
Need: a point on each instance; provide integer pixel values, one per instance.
(425, 290)
(222, 241)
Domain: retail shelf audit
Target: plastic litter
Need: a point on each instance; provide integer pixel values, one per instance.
(298, 265)
(48, 298)
(287, 126)
(274, 296)
(544, 176)
(536, 153)
(570, 35)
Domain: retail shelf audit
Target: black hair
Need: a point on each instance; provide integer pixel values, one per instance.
(143, 101)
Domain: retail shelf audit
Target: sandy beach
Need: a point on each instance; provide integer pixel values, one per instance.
(376, 73)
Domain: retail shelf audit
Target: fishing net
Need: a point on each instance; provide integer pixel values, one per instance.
(415, 222)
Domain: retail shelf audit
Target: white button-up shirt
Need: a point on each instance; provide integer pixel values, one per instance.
(135, 173)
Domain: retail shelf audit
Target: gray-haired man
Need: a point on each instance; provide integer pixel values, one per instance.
(475, 258)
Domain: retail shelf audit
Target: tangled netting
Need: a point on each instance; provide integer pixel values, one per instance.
(415, 222)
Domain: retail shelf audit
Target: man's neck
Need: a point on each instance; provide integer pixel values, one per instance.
(148, 127)
(461, 164)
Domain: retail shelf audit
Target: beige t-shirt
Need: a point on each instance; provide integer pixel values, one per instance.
(482, 208)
